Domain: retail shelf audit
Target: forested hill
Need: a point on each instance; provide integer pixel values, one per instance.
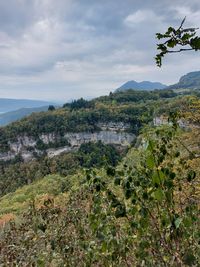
(131, 107)
(45, 139)
(101, 205)
(188, 81)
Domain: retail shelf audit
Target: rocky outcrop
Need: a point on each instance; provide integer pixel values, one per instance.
(107, 137)
(21, 143)
(110, 133)
(114, 126)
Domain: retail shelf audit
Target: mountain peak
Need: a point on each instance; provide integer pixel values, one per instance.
(144, 85)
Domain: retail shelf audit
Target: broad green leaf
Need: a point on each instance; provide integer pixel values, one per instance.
(158, 177)
(178, 222)
(155, 178)
(191, 175)
(158, 195)
(150, 161)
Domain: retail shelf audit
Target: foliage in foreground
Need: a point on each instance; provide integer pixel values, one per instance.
(143, 213)
(185, 39)
(160, 203)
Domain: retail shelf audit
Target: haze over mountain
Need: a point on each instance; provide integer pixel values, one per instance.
(7, 104)
(191, 81)
(12, 116)
(145, 85)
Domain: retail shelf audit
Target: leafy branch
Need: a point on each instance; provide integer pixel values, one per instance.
(185, 39)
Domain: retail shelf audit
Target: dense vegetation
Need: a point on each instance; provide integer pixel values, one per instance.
(97, 209)
(17, 173)
(136, 108)
(144, 212)
(78, 116)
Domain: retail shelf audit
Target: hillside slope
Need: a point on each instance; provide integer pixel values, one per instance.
(145, 85)
(111, 119)
(189, 81)
(18, 114)
(7, 104)
(98, 217)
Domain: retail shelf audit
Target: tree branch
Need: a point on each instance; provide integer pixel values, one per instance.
(180, 50)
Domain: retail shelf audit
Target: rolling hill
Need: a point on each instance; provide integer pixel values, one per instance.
(145, 85)
(11, 116)
(7, 104)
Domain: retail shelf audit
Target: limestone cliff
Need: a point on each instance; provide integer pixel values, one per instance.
(26, 146)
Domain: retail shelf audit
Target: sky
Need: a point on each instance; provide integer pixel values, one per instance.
(65, 49)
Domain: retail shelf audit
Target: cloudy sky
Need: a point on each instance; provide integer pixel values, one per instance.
(65, 49)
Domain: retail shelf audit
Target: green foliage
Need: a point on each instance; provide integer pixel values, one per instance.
(18, 173)
(134, 107)
(142, 213)
(181, 37)
(59, 122)
(98, 154)
(51, 108)
(157, 204)
(79, 104)
(136, 96)
(51, 185)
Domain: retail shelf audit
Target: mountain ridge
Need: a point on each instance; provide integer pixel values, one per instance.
(11, 104)
(144, 85)
(191, 80)
(11, 116)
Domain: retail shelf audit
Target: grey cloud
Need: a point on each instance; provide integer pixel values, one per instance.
(88, 45)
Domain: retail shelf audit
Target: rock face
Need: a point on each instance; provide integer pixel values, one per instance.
(26, 146)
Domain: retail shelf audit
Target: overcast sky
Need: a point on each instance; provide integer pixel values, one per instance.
(64, 49)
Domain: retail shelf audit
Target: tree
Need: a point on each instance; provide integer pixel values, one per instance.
(185, 39)
(51, 108)
(81, 103)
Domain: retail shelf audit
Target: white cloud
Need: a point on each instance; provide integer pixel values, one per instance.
(138, 17)
(142, 16)
(192, 17)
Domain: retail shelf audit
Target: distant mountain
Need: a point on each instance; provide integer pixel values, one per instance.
(7, 104)
(145, 85)
(189, 81)
(12, 116)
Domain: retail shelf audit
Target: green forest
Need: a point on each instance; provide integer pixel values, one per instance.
(101, 206)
